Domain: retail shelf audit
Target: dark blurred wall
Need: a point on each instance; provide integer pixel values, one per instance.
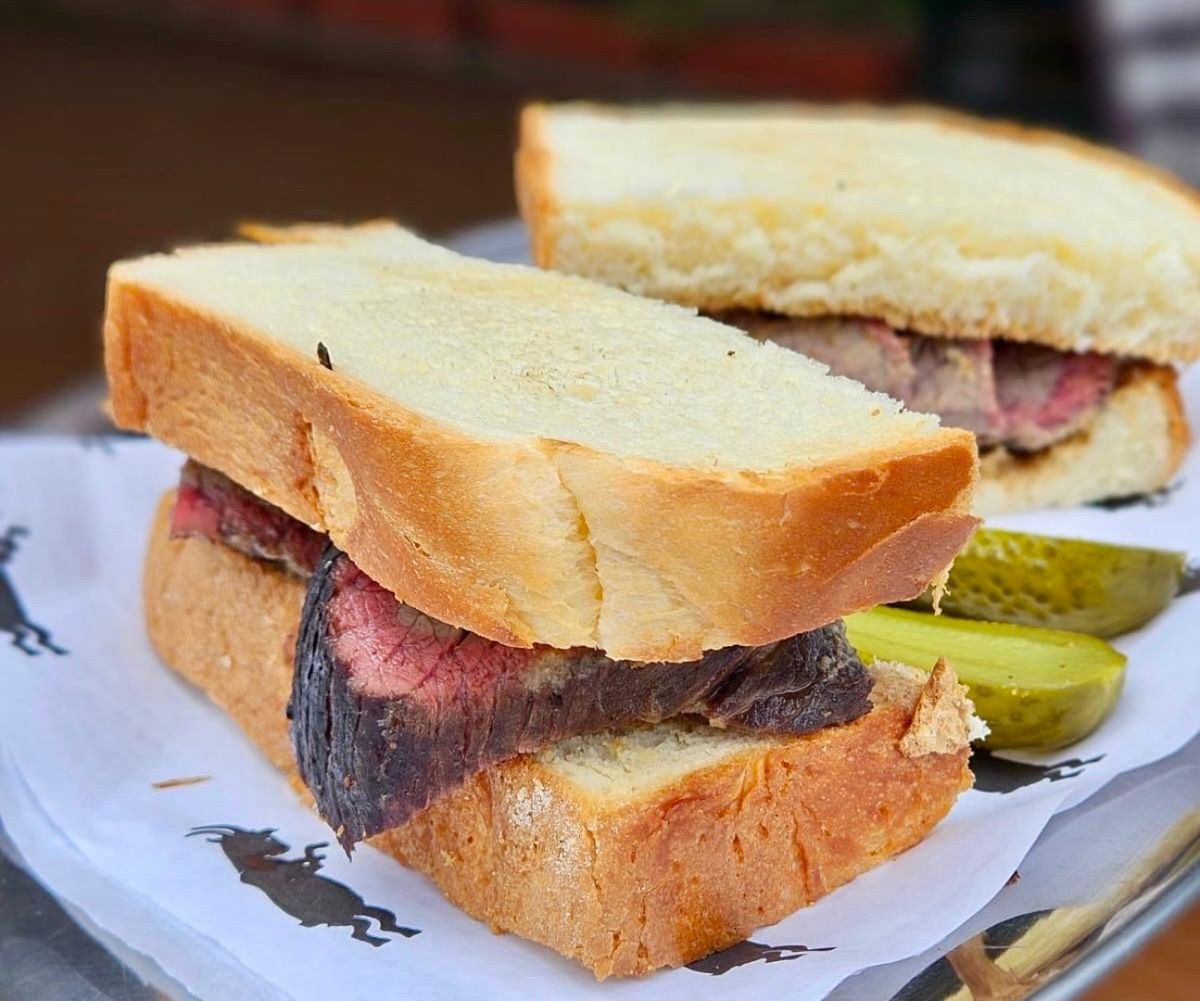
(122, 141)
(1028, 60)
(130, 125)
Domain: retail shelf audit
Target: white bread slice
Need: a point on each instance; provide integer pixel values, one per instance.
(535, 457)
(626, 853)
(1134, 445)
(934, 222)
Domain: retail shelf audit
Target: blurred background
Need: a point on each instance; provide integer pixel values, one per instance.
(127, 125)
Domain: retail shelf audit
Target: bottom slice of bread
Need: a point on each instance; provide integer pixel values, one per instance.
(626, 852)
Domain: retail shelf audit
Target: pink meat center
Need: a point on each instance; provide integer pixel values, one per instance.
(391, 650)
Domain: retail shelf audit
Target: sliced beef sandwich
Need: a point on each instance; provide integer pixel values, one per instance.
(503, 567)
(1025, 286)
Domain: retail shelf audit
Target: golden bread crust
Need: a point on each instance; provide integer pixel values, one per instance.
(532, 164)
(623, 884)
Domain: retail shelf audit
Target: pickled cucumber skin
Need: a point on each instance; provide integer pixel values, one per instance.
(1038, 689)
(1038, 580)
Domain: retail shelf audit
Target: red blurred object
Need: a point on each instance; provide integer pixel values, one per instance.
(810, 63)
(408, 20)
(250, 7)
(563, 32)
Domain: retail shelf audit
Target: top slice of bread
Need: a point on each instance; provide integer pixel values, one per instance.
(537, 458)
(934, 222)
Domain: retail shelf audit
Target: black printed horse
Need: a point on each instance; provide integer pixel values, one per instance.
(744, 953)
(13, 619)
(996, 774)
(294, 886)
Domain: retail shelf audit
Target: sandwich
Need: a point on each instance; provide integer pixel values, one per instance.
(1026, 286)
(535, 585)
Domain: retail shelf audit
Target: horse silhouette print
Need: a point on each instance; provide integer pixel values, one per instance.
(294, 886)
(13, 619)
(743, 953)
(1002, 775)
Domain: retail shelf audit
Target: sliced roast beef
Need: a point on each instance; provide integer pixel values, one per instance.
(1047, 395)
(956, 381)
(210, 504)
(867, 350)
(1023, 396)
(392, 709)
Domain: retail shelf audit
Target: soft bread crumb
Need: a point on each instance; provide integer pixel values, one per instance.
(978, 726)
(944, 719)
(937, 589)
(640, 759)
(896, 684)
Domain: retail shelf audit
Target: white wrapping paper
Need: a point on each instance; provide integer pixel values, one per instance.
(85, 734)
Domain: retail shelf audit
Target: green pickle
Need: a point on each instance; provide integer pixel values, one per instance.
(1035, 688)
(1038, 580)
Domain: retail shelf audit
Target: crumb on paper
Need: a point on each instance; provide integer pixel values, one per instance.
(189, 780)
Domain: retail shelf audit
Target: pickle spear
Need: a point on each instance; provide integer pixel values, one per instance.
(1039, 580)
(1035, 688)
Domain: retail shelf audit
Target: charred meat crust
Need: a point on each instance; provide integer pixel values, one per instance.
(391, 710)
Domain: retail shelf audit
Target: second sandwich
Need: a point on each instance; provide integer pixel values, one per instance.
(1023, 285)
